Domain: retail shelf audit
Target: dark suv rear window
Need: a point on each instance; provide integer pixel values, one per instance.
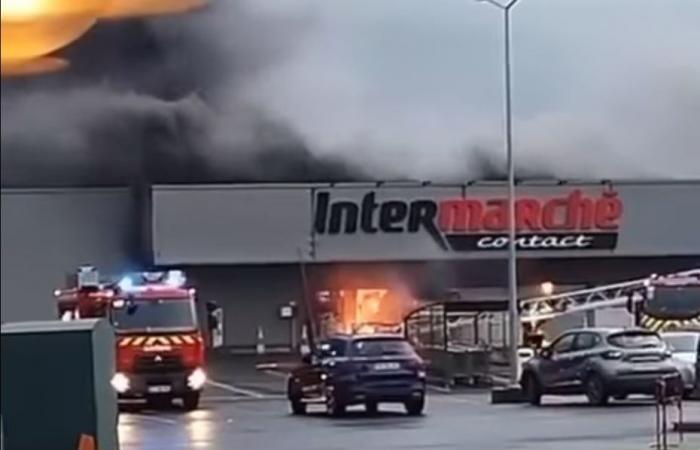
(633, 339)
(382, 347)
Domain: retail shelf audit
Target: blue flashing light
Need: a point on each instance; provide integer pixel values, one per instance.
(126, 283)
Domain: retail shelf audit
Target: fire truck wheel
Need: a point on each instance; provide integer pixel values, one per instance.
(298, 408)
(191, 401)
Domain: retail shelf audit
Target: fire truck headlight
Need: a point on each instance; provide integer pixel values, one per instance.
(197, 379)
(120, 382)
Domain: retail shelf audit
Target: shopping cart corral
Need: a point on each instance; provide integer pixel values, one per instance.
(458, 338)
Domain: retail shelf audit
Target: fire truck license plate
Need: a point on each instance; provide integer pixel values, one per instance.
(387, 366)
(160, 389)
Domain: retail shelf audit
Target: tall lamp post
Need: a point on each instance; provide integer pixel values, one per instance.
(513, 315)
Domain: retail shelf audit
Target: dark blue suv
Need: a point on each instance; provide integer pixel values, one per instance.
(365, 369)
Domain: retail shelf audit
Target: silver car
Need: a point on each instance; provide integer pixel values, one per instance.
(600, 363)
(684, 347)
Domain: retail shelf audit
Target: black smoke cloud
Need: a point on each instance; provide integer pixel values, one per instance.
(162, 101)
(141, 103)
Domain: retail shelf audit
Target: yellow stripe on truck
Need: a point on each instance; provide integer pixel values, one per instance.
(125, 341)
(176, 340)
(138, 341)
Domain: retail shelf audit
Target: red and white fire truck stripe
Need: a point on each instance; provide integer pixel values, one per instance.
(138, 341)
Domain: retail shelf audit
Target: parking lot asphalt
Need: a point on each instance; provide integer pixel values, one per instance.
(245, 409)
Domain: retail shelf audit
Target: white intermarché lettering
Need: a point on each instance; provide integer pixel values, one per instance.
(537, 242)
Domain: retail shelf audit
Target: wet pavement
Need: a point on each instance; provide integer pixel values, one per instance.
(248, 411)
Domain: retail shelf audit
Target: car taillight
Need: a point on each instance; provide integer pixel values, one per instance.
(612, 354)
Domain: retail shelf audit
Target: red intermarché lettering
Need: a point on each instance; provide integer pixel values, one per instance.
(576, 211)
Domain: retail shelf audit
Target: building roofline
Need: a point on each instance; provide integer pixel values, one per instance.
(418, 184)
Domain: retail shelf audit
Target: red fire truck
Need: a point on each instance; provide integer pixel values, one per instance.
(160, 350)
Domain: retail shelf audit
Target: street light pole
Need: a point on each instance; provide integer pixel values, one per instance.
(513, 314)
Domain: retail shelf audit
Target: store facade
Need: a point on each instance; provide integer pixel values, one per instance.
(257, 249)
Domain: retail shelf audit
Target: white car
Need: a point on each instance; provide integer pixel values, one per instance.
(685, 347)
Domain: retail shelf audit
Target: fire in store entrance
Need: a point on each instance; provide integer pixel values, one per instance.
(361, 310)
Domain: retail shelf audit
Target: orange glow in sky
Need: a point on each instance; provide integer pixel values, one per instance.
(141, 8)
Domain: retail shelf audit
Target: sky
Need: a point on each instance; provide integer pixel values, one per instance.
(301, 90)
(600, 87)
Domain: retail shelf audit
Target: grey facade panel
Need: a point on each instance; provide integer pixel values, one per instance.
(250, 297)
(49, 233)
(223, 225)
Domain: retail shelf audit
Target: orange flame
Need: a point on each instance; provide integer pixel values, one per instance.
(27, 40)
(32, 66)
(33, 29)
(360, 301)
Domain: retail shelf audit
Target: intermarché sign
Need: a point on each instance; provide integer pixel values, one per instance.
(575, 221)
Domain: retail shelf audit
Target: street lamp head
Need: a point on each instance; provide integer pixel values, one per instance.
(505, 6)
(493, 2)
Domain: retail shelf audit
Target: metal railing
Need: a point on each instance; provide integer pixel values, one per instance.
(669, 392)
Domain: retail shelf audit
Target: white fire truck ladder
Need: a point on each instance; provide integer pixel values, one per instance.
(538, 309)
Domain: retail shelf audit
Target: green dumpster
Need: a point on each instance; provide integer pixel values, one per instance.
(56, 385)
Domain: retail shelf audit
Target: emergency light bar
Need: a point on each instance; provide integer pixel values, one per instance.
(88, 276)
(171, 278)
(675, 281)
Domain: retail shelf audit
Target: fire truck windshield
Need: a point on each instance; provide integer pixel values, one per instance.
(674, 302)
(154, 314)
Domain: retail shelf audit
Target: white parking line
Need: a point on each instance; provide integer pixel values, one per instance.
(228, 398)
(440, 389)
(155, 419)
(275, 373)
(235, 390)
(266, 366)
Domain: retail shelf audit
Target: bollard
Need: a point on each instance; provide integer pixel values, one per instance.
(260, 345)
(304, 347)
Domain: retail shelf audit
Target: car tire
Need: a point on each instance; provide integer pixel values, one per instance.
(595, 390)
(190, 401)
(532, 389)
(371, 408)
(334, 407)
(297, 406)
(415, 407)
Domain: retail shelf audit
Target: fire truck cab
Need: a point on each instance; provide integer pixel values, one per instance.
(159, 348)
(673, 298)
